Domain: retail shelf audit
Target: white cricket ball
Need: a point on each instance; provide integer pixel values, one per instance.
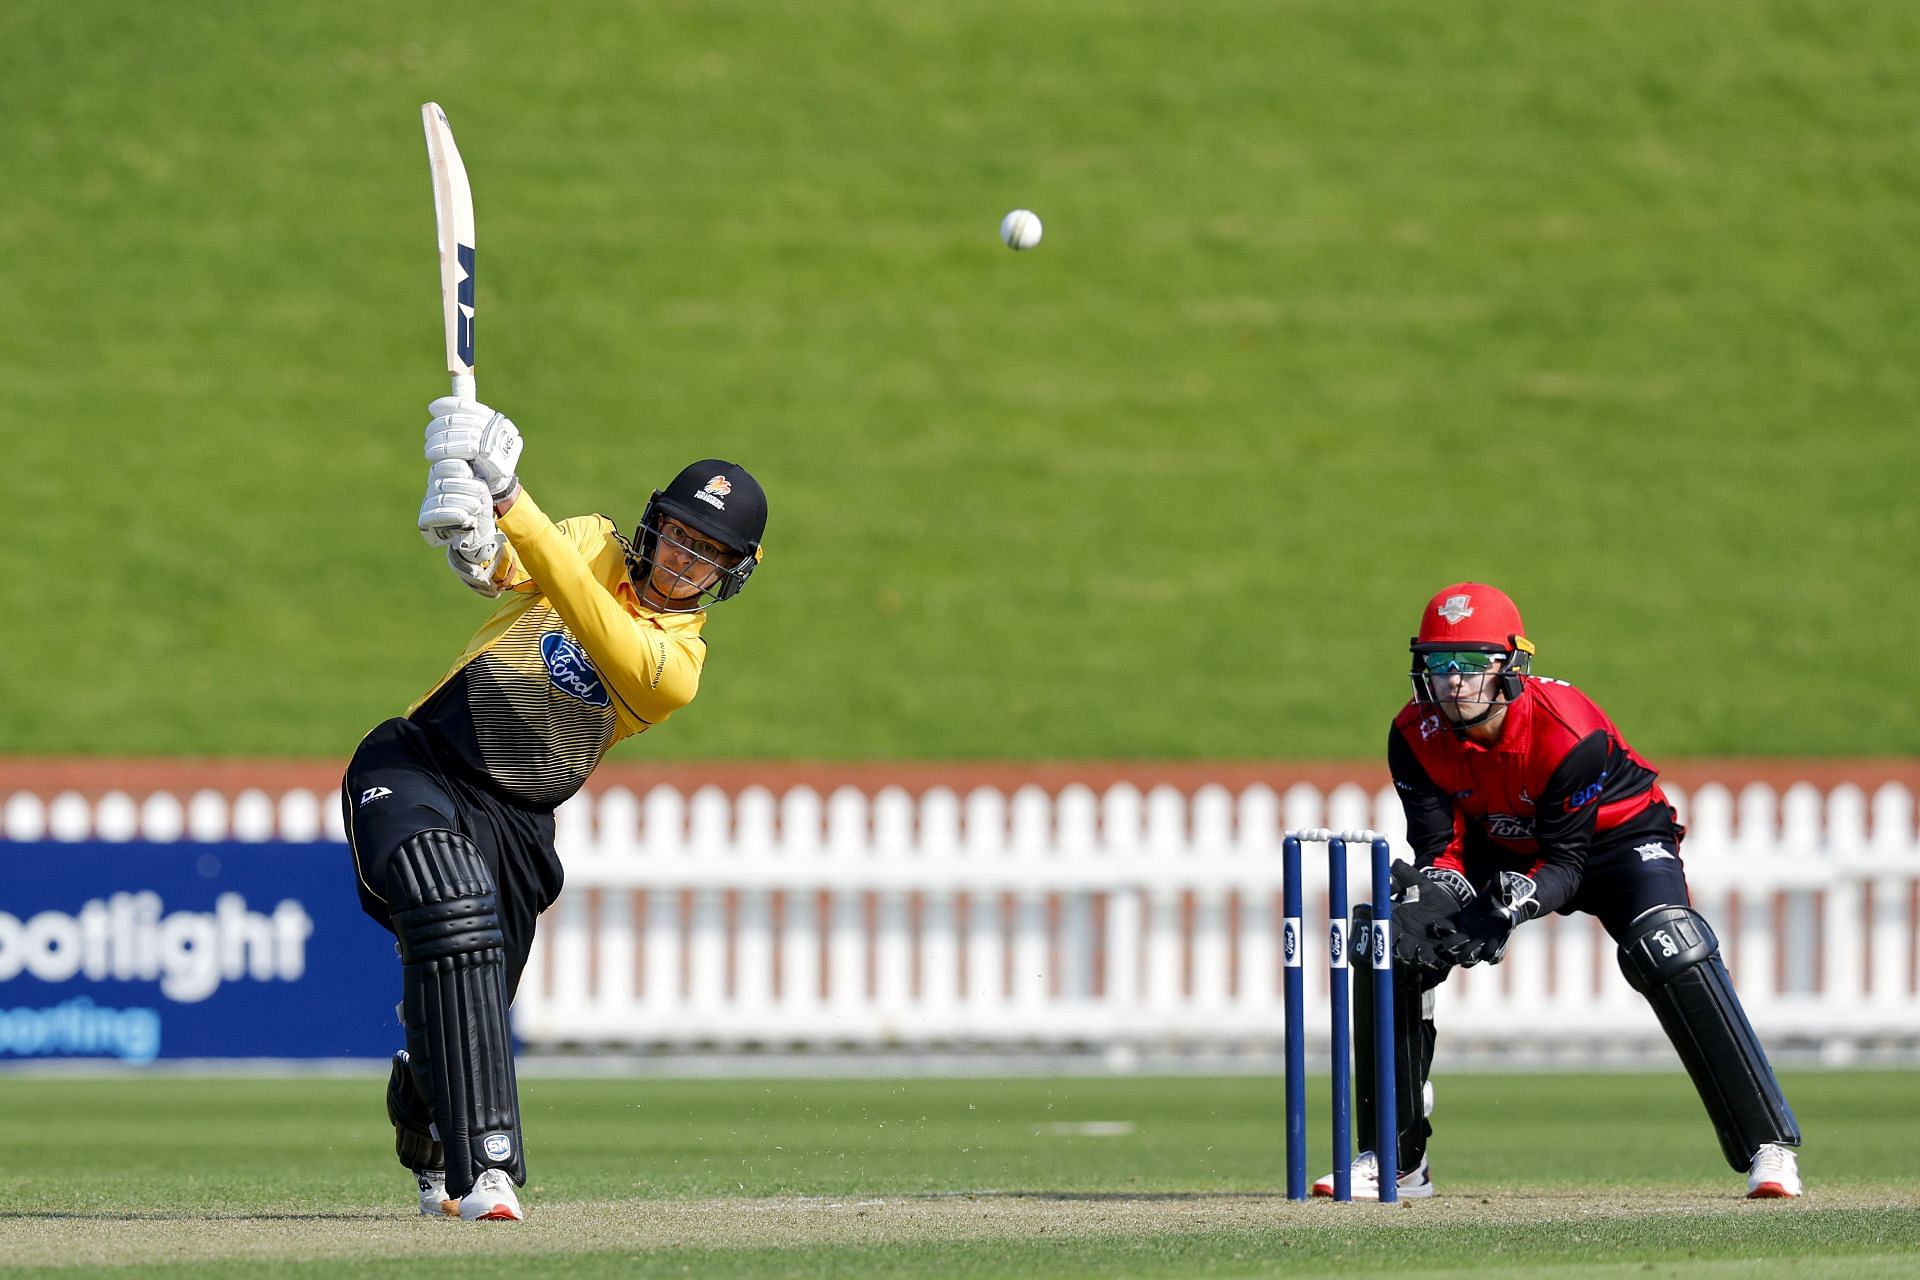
(1020, 229)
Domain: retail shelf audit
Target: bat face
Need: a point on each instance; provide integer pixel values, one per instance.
(462, 338)
(453, 217)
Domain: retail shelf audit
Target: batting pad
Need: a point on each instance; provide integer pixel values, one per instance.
(454, 1001)
(1672, 958)
(413, 1139)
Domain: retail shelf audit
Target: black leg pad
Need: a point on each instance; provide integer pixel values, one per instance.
(412, 1118)
(454, 1002)
(1413, 1043)
(1672, 958)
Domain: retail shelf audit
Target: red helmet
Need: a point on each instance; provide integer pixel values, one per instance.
(1473, 615)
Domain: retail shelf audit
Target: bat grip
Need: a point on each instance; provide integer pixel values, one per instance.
(463, 387)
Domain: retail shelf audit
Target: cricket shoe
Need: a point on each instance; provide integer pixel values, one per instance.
(1775, 1174)
(433, 1191)
(1415, 1184)
(491, 1200)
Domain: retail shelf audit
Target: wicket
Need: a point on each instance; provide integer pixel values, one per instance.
(1378, 945)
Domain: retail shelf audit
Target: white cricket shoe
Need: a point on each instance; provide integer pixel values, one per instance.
(1775, 1174)
(1415, 1183)
(492, 1199)
(433, 1191)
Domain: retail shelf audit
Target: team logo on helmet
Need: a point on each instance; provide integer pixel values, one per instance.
(714, 492)
(1455, 608)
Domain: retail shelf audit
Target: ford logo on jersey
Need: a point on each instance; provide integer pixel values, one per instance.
(571, 671)
(1509, 826)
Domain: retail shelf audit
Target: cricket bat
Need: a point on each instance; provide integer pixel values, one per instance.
(453, 218)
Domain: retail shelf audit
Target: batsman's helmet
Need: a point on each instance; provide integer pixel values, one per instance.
(718, 500)
(1472, 617)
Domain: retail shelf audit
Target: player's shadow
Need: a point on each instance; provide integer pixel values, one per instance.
(1099, 1197)
(184, 1215)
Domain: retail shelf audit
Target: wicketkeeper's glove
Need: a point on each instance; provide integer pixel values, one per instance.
(1427, 904)
(1481, 934)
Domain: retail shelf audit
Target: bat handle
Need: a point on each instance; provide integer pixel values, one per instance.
(463, 389)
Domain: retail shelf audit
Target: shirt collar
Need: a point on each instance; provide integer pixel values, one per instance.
(1516, 731)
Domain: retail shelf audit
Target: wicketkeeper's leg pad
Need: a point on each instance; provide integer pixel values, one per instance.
(1412, 1048)
(1671, 957)
(454, 1001)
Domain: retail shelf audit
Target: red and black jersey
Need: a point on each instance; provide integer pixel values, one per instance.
(1536, 796)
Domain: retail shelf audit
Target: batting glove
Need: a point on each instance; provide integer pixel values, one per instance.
(470, 432)
(455, 506)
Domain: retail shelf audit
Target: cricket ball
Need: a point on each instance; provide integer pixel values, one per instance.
(1020, 229)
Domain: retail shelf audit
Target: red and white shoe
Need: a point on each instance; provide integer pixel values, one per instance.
(1415, 1183)
(491, 1200)
(1775, 1174)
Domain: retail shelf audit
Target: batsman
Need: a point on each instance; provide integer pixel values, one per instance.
(449, 808)
(1523, 798)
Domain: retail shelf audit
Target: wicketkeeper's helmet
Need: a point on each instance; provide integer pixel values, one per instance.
(1472, 617)
(718, 500)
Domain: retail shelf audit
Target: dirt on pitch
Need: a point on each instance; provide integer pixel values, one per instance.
(592, 1227)
(637, 1226)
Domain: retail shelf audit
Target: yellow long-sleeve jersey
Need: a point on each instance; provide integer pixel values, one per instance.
(570, 662)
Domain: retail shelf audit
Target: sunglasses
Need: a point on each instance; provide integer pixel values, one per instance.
(1468, 662)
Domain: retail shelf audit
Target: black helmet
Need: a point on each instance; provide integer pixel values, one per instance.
(719, 500)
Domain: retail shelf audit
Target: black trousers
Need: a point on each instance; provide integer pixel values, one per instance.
(396, 787)
(1630, 870)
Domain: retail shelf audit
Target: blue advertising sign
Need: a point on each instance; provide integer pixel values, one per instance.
(138, 951)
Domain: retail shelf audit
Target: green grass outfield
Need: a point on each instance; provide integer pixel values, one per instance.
(1558, 1175)
(1339, 301)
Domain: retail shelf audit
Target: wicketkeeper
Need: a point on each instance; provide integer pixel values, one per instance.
(449, 809)
(1523, 798)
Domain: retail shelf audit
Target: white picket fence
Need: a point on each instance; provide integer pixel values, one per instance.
(1150, 919)
(1117, 919)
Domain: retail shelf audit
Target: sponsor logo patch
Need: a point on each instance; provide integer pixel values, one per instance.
(1429, 727)
(373, 793)
(571, 671)
(1454, 608)
(715, 491)
(1581, 799)
(1653, 852)
(1509, 826)
(498, 1146)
